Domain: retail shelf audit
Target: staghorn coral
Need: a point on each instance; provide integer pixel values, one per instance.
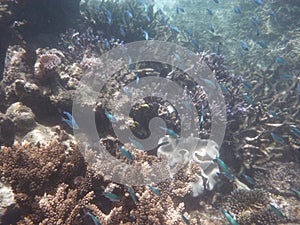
(33, 170)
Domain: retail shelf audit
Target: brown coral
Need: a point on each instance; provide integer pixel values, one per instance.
(34, 170)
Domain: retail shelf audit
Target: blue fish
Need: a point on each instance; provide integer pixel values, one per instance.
(129, 14)
(272, 14)
(295, 130)
(107, 43)
(148, 18)
(247, 85)
(170, 132)
(274, 114)
(174, 28)
(216, 1)
(248, 178)
(70, 121)
(109, 116)
(223, 166)
(189, 32)
(224, 89)
(227, 175)
(255, 21)
(109, 16)
(211, 28)
(248, 99)
(126, 153)
(277, 138)
(133, 195)
(94, 218)
(210, 12)
(186, 220)
(259, 2)
(244, 45)
(179, 9)
(122, 31)
(146, 35)
(137, 78)
(145, 7)
(277, 211)
(262, 44)
(237, 10)
(136, 143)
(155, 190)
(229, 217)
(195, 43)
(128, 93)
(287, 76)
(202, 116)
(280, 60)
(209, 82)
(111, 196)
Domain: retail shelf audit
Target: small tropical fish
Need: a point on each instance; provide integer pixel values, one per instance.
(277, 138)
(230, 177)
(148, 18)
(70, 121)
(155, 190)
(146, 35)
(107, 43)
(216, 1)
(229, 217)
(202, 116)
(195, 43)
(247, 85)
(248, 178)
(244, 45)
(255, 21)
(295, 130)
(224, 167)
(109, 16)
(179, 9)
(109, 116)
(259, 2)
(126, 153)
(129, 14)
(242, 53)
(133, 195)
(177, 56)
(272, 14)
(136, 143)
(174, 28)
(274, 114)
(262, 44)
(137, 78)
(287, 76)
(122, 31)
(94, 218)
(210, 12)
(296, 191)
(189, 32)
(209, 82)
(170, 132)
(248, 99)
(224, 89)
(186, 220)
(111, 196)
(145, 7)
(128, 93)
(277, 211)
(211, 28)
(280, 60)
(237, 10)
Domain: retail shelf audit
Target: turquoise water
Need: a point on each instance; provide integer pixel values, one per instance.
(208, 88)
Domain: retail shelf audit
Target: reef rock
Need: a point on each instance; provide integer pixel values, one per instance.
(7, 130)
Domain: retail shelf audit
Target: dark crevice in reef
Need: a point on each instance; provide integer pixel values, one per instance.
(34, 22)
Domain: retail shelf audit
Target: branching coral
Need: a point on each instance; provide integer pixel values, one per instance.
(252, 207)
(33, 170)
